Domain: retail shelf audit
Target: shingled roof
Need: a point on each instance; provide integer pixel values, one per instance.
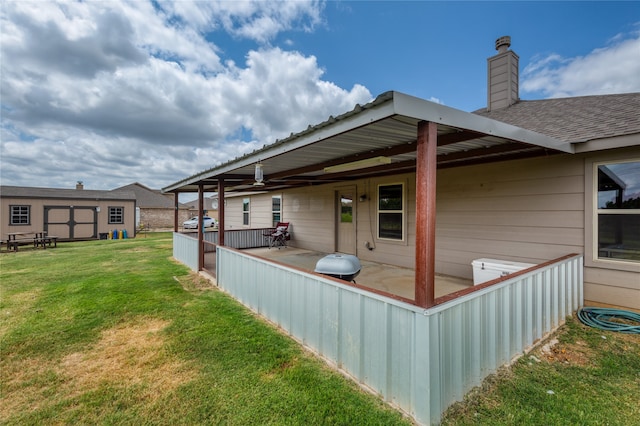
(69, 194)
(576, 119)
(148, 198)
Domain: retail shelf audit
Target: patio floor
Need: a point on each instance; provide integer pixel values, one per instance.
(388, 278)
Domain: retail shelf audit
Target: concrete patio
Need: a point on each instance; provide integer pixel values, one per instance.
(379, 276)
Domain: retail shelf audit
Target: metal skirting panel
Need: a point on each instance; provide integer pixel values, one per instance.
(185, 250)
(241, 238)
(420, 361)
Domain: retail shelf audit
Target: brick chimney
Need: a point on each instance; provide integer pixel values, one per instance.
(79, 186)
(502, 76)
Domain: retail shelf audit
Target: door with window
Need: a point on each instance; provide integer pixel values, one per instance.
(346, 220)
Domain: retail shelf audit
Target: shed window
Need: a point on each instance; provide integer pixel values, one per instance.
(245, 211)
(276, 209)
(618, 211)
(391, 212)
(20, 215)
(116, 214)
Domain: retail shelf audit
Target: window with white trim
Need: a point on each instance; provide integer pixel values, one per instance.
(245, 211)
(276, 209)
(20, 215)
(391, 212)
(116, 214)
(617, 221)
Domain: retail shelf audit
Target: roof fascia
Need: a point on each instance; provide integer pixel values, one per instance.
(411, 106)
(615, 142)
(351, 120)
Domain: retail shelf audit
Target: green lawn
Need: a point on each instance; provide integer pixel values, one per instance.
(115, 332)
(580, 376)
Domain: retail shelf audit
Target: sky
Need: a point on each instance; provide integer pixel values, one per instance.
(113, 92)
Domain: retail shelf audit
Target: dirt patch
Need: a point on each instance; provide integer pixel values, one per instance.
(139, 250)
(129, 354)
(577, 353)
(132, 354)
(194, 282)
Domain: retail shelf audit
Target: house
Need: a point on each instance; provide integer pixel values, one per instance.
(409, 183)
(154, 209)
(236, 200)
(210, 206)
(69, 214)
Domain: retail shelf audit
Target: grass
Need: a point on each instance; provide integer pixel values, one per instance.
(114, 332)
(580, 376)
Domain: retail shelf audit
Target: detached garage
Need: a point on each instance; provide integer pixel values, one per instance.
(69, 214)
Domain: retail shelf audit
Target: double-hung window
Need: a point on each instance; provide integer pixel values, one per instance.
(245, 211)
(20, 215)
(617, 220)
(391, 212)
(276, 209)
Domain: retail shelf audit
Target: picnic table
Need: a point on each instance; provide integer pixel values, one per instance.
(37, 238)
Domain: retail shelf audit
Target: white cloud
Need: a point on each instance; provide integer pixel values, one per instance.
(115, 92)
(611, 69)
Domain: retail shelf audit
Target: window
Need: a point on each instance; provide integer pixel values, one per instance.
(20, 215)
(116, 214)
(276, 209)
(245, 211)
(346, 208)
(617, 219)
(391, 212)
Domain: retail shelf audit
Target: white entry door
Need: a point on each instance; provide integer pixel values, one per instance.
(346, 220)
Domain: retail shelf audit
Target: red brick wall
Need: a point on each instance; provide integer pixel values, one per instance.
(162, 218)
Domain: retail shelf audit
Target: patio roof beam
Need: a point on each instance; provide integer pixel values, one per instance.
(495, 153)
(395, 167)
(482, 152)
(461, 136)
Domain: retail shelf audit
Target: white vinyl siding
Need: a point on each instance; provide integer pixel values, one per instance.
(276, 209)
(246, 202)
(527, 211)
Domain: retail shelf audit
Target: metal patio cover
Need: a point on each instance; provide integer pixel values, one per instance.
(387, 127)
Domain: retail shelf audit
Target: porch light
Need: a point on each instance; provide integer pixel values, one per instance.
(259, 175)
(360, 164)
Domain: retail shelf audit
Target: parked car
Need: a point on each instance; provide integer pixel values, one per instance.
(193, 222)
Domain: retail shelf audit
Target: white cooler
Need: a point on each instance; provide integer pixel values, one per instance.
(489, 269)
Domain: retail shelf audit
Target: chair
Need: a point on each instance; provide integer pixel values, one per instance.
(279, 235)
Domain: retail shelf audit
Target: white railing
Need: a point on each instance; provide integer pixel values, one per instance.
(419, 360)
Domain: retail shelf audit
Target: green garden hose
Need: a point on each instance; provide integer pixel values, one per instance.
(604, 319)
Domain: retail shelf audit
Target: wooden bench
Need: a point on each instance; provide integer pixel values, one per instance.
(46, 239)
(16, 242)
(39, 239)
